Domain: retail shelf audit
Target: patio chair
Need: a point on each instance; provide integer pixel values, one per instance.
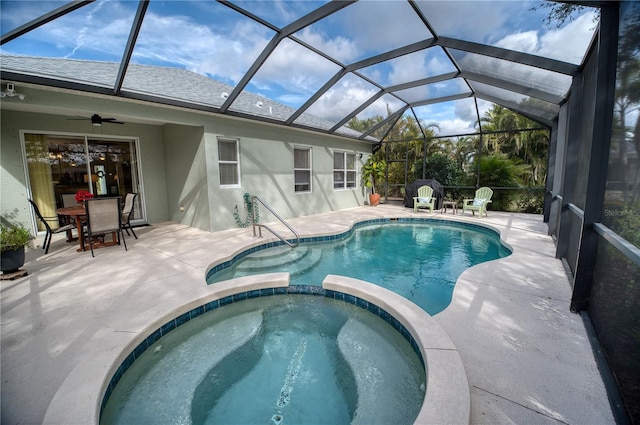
(49, 231)
(479, 202)
(69, 200)
(127, 213)
(104, 216)
(424, 199)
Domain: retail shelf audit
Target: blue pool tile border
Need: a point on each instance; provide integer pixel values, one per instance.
(346, 234)
(212, 305)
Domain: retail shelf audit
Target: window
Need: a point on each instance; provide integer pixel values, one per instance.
(228, 162)
(302, 169)
(344, 170)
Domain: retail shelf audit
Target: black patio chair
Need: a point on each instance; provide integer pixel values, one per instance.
(49, 231)
(127, 213)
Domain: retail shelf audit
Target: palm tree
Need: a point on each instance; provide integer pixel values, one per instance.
(364, 124)
(464, 151)
(501, 124)
(529, 146)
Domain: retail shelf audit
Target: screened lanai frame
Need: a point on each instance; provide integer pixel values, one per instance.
(416, 36)
(583, 89)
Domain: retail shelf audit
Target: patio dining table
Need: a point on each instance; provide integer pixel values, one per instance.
(78, 213)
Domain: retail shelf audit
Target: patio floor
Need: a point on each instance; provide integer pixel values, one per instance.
(527, 357)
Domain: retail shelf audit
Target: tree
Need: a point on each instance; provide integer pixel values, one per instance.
(440, 167)
(365, 124)
(508, 138)
(559, 12)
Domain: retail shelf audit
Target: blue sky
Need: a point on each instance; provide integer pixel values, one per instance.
(214, 40)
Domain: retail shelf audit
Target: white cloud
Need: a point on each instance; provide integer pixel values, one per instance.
(292, 99)
(376, 26)
(175, 39)
(466, 110)
(198, 48)
(526, 42)
(570, 42)
(484, 106)
(455, 127)
(414, 94)
(340, 47)
(435, 113)
(364, 29)
(454, 117)
(103, 29)
(294, 68)
(342, 99)
(408, 68)
(287, 11)
(16, 13)
(94, 30)
(437, 66)
(468, 20)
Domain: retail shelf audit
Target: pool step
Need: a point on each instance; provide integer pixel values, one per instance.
(295, 263)
(278, 251)
(272, 257)
(309, 262)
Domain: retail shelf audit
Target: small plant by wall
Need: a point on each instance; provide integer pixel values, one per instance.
(248, 208)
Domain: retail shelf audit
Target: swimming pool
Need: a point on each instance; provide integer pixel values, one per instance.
(300, 359)
(418, 259)
(450, 250)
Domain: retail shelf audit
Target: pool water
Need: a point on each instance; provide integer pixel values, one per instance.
(289, 358)
(421, 262)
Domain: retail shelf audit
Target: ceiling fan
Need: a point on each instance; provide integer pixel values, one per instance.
(97, 120)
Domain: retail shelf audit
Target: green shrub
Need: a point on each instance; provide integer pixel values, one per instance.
(500, 171)
(440, 167)
(13, 237)
(530, 201)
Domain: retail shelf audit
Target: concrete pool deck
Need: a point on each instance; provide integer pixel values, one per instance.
(527, 358)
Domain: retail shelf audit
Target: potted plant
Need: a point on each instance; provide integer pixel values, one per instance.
(13, 239)
(373, 171)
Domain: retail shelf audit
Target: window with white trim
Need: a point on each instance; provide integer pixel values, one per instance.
(344, 170)
(228, 162)
(302, 169)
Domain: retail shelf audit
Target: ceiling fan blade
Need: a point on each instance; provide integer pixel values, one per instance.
(112, 121)
(97, 120)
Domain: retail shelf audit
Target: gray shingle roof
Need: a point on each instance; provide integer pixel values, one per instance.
(170, 83)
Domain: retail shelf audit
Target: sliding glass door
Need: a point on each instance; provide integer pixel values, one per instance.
(61, 165)
(113, 167)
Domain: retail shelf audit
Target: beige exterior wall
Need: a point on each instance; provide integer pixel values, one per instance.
(266, 168)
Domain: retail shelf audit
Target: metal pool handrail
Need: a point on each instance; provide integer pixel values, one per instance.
(255, 198)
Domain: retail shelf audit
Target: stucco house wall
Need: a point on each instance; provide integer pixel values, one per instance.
(266, 170)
